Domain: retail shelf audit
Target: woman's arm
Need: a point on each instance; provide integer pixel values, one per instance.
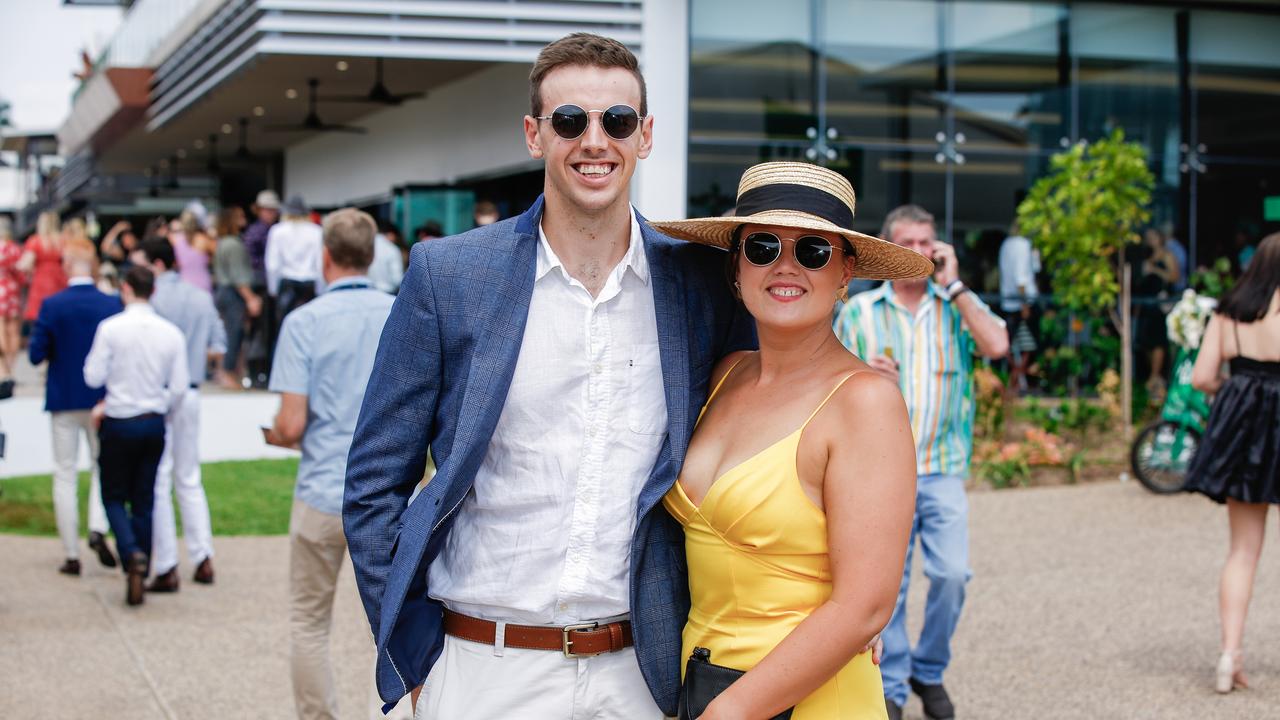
(869, 499)
(111, 241)
(1206, 376)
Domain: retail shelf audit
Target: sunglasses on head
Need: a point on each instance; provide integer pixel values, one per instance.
(763, 249)
(570, 121)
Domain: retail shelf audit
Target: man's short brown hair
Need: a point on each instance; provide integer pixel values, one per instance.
(587, 50)
(348, 236)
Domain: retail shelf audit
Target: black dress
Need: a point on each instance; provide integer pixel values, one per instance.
(1239, 456)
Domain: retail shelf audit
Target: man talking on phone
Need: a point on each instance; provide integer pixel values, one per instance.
(322, 364)
(923, 333)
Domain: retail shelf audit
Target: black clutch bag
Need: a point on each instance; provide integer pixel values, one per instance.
(703, 681)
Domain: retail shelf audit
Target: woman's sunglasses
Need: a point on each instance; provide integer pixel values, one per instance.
(763, 249)
(570, 121)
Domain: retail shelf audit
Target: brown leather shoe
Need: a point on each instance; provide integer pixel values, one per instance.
(166, 583)
(98, 544)
(204, 572)
(70, 567)
(134, 581)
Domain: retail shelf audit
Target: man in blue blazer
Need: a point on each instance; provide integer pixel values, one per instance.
(553, 366)
(62, 334)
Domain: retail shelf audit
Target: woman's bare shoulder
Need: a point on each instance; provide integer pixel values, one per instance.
(726, 364)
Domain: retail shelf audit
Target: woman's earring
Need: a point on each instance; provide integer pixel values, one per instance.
(843, 294)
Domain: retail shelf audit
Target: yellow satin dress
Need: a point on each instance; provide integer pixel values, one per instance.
(758, 566)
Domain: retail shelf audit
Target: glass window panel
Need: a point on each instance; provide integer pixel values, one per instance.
(715, 168)
(1012, 81)
(884, 178)
(884, 80)
(1235, 75)
(1128, 75)
(750, 71)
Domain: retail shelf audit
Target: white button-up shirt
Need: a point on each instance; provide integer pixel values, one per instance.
(544, 537)
(142, 359)
(294, 253)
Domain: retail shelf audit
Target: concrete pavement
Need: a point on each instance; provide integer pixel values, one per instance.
(1097, 601)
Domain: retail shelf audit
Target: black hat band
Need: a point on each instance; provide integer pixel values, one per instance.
(798, 198)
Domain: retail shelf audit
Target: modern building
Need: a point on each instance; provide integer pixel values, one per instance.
(413, 107)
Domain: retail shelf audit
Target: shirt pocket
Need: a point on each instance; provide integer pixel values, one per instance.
(646, 393)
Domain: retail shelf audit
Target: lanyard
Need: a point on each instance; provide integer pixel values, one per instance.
(352, 286)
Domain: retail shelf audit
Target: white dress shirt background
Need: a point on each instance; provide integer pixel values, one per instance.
(155, 378)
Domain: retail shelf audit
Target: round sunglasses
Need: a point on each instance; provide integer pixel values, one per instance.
(570, 121)
(763, 249)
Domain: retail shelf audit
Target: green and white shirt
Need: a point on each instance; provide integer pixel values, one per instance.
(934, 350)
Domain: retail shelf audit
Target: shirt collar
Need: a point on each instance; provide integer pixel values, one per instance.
(79, 280)
(352, 280)
(885, 293)
(168, 276)
(139, 307)
(635, 259)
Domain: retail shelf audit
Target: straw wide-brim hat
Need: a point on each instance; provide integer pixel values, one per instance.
(802, 197)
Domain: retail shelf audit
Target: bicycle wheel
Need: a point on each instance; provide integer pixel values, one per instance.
(1161, 454)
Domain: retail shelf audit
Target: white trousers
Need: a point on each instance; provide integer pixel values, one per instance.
(470, 681)
(179, 473)
(66, 427)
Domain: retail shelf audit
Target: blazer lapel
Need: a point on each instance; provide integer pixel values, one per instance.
(673, 338)
(503, 282)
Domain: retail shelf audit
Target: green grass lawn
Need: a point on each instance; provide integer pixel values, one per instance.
(251, 497)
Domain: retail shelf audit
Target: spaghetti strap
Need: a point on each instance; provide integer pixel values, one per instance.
(716, 389)
(831, 394)
(727, 373)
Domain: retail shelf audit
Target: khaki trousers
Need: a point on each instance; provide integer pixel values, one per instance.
(66, 427)
(316, 550)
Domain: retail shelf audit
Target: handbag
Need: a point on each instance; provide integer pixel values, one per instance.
(703, 681)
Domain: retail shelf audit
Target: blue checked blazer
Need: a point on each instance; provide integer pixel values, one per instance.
(440, 380)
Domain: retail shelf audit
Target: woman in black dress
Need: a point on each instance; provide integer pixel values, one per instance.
(1239, 459)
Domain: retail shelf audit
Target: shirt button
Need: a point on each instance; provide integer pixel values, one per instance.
(562, 606)
(596, 368)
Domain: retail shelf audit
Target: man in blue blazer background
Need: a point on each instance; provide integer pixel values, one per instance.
(553, 366)
(62, 334)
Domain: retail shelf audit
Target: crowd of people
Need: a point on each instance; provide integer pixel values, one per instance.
(658, 491)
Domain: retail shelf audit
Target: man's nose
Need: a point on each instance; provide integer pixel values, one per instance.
(595, 138)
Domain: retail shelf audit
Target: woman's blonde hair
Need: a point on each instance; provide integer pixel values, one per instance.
(6, 228)
(190, 223)
(48, 225)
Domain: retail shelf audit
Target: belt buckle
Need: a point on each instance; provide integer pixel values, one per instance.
(567, 643)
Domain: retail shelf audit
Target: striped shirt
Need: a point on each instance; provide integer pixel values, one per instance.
(934, 351)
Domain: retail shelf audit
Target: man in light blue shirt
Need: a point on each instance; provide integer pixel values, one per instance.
(192, 310)
(322, 364)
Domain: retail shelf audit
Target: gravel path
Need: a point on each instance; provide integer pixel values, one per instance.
(1090, 602)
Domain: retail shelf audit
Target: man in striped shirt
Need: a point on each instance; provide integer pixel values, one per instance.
(923, 333)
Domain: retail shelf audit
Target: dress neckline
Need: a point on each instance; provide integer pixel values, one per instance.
(794, 436)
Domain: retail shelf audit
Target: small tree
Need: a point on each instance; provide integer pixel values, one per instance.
(1081, 216)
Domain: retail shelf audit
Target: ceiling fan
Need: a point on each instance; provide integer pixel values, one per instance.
(312, 121)
(378, 94)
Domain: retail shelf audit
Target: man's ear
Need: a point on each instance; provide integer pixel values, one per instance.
(646, 138)
(532, 140)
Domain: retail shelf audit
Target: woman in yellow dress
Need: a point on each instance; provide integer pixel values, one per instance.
(798, 488)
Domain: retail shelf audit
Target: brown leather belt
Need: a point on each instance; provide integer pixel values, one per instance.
(577, 640)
